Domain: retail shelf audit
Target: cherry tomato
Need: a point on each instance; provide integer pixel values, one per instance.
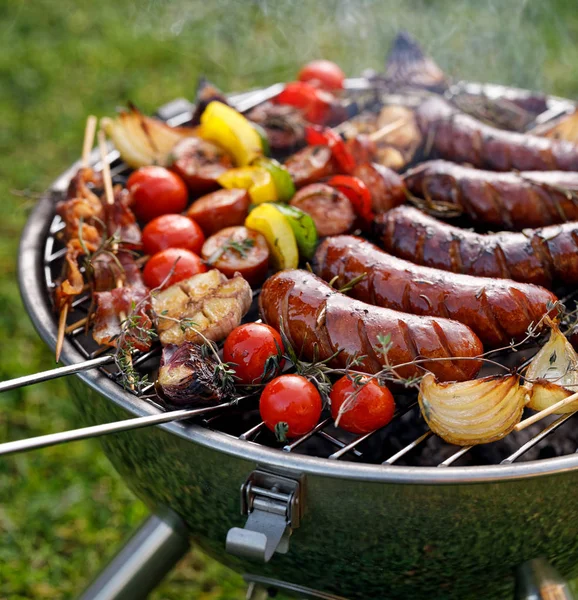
(290, 406)
(251, 347)
(323, 73)
(315, 135)
(185, 263)
(314, 103)
(172, 231)
(372, 406)
(358, 194)
(156, 191)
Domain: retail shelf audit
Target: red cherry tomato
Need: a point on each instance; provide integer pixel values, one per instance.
(252, 347)
(172, 231)
(323, 73)
(358, 194)
(314, 103)
(290, 406)
(185, 263)
(372, 405)
(315, 135)
(156, 191)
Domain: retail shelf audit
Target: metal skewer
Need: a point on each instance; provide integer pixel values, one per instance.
(55, 373)
(53, 439)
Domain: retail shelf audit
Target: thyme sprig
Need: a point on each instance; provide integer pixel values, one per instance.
(242, 248)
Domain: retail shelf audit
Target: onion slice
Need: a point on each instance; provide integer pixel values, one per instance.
(554, 373)
(142, 140)
(478, 411)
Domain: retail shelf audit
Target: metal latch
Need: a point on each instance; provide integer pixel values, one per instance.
(274, 508)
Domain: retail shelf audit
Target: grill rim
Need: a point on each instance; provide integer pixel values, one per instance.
(35, 299)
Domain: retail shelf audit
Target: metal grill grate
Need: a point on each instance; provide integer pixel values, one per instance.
(405, 440)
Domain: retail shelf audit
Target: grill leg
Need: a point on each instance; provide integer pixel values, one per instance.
(538, 580)
(152, 551)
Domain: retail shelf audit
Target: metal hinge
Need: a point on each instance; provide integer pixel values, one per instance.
(274, 508)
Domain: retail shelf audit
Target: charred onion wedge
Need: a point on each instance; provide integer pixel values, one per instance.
(554, 373)
(187, 377)
(142, 140)
(478, 411)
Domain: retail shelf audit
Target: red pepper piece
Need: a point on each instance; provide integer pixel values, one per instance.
(358, 194)
(315, 135)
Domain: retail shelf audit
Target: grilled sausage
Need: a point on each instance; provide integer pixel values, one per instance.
(544, 256)
(223, 208)
(311, 164)
(199, 163)
(386, 186)
(319, 321)
(331, 210)
(497, 310)
(460, 138)
(507, 200)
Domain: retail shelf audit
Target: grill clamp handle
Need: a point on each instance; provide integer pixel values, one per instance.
(273, 504)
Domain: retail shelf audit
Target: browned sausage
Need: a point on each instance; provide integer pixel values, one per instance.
(386, 186)
(223, 208)
(497, 310)
(329, 208)
(545, 256)
(311, 164)
(319, 321)
(507, 200)
(460, 138)
(249, 255)
(199, 163)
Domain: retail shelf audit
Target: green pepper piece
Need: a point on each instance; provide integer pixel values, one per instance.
(283, 182)
(264, 139)
(303, 228)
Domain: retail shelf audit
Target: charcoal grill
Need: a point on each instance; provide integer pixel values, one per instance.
(392, 514)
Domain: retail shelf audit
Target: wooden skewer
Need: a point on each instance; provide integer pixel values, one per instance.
(105, 168)
(76, 325)
(106, 176)
(61, 329)
(386, 129)
(87, 143)
(89, 132)
(547, 411)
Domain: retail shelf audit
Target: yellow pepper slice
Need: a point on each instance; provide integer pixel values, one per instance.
(229, 129)
(275, 227)
(257, 180)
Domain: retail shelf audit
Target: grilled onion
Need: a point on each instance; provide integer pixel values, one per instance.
(472, 412)
(554, 373)
(562, 128)
(143, 140)
(187, 377)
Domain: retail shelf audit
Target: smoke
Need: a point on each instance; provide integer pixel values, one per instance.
(260, 41)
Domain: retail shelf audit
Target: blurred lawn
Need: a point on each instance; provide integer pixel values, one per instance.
(63, 510)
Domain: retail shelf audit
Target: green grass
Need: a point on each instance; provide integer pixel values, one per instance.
(63, 510)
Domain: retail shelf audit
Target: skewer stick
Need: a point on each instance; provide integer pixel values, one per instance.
(547, 411)
(86, 365)
(61, 330)
(387, 129)
(76, 325)
(89, 132)
(84, 433)
(105, 168)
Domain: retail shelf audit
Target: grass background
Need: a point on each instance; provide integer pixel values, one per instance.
(63, 510)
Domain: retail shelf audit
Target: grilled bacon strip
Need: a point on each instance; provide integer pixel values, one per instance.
(458, 137)
(320, 321)
(506, 200)
(546, 256)
(497, 310)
